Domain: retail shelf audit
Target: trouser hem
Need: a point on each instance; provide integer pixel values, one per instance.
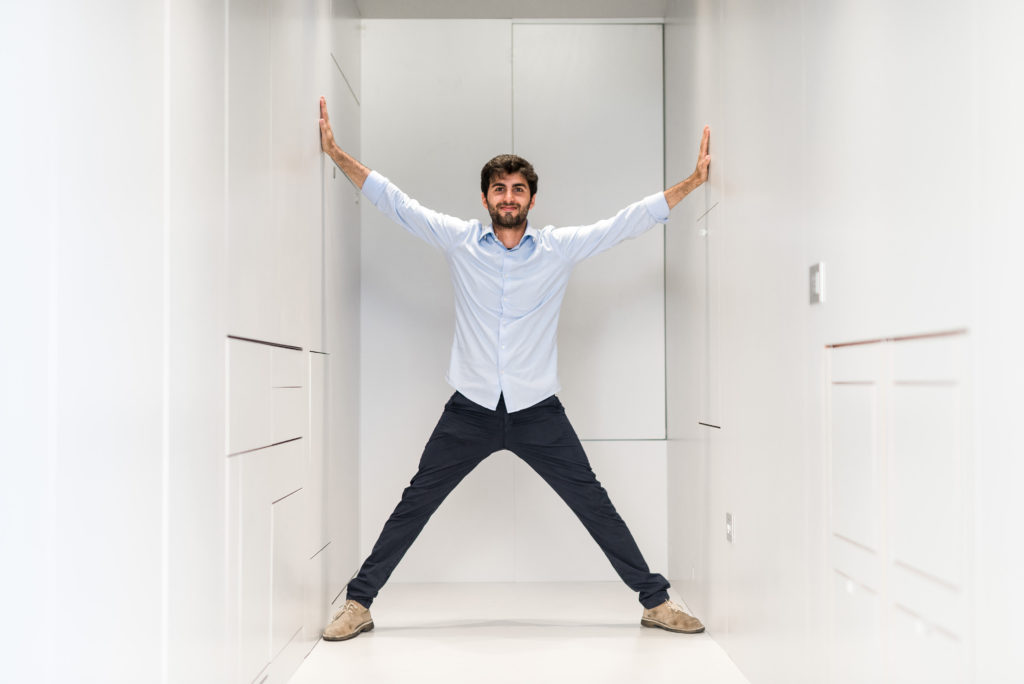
(654, 601)
(363, 601)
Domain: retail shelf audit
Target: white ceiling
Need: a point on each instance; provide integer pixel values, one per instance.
(513, 9)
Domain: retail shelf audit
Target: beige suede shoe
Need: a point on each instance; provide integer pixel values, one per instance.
(671, 617)
(349, 622)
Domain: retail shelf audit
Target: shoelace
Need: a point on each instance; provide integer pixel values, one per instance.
(349, 608)
(675, 607)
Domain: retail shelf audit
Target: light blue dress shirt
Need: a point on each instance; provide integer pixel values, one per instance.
(507, 301)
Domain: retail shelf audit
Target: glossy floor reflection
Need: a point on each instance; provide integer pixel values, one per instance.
(516, 633)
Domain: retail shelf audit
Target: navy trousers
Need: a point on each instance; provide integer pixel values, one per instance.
(540, 435)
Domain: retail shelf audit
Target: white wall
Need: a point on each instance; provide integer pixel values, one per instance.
(165, 190)
(444, 101)
(874, 138)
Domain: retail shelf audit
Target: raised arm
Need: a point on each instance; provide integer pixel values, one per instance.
(355, 171)
(677, 192)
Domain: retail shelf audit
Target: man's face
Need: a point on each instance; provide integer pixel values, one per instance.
(508, 200)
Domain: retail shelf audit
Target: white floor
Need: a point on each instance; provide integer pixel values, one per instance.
(516, 633)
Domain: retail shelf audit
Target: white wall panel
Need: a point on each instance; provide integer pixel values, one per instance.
(346, 47)
(920, 653)
(197, 423)
(27, 287)
(857, 654)
(260, 479)
(900, 502)
(588, 115)
(685, 322)
(917, 112)
(249, 400)
(288, 369)
(108, 308)
(251, 240)
(289, 562)
(745, 306)
(856, 478)
(925, 493)
(290, 413)
(295, 157)
(998, 374)
(316, 470)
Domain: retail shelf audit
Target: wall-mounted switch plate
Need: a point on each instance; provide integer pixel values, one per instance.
(817, 283)
(728, 527)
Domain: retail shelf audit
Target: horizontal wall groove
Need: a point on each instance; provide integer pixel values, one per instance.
(900, 338)
(932, 626)
(265, 342)
(320, 551)
(285, 496)
(268, 446)
(926, 575)
(859, 545)
(926, 383)
(708, 211)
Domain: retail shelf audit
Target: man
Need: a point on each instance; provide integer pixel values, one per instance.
(509, 280)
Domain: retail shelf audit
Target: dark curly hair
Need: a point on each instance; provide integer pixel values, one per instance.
(505, 164)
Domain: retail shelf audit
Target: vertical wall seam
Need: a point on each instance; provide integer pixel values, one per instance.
(512, 84)
(226, 558)
(53, 386)
(664, 234)
(166, 357)
(512, 135)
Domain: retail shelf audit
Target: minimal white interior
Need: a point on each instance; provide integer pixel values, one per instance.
(220, 366)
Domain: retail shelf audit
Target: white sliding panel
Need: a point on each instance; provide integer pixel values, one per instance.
(588, 115)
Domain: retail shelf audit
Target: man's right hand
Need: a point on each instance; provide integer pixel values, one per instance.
(355, 171)
(327, 143)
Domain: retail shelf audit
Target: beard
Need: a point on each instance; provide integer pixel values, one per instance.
(507, 220)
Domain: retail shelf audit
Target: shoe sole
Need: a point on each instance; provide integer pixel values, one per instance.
(659, 625)
(367, 627)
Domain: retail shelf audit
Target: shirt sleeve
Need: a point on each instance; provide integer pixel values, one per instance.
(437, 229)
(579, 242)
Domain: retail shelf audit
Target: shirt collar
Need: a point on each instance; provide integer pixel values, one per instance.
(531, 233)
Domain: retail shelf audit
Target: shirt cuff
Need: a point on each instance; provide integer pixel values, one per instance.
(657, 207)
(373, 186)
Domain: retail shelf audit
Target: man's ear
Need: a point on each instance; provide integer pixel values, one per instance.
(483, 200)
(533, 200)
